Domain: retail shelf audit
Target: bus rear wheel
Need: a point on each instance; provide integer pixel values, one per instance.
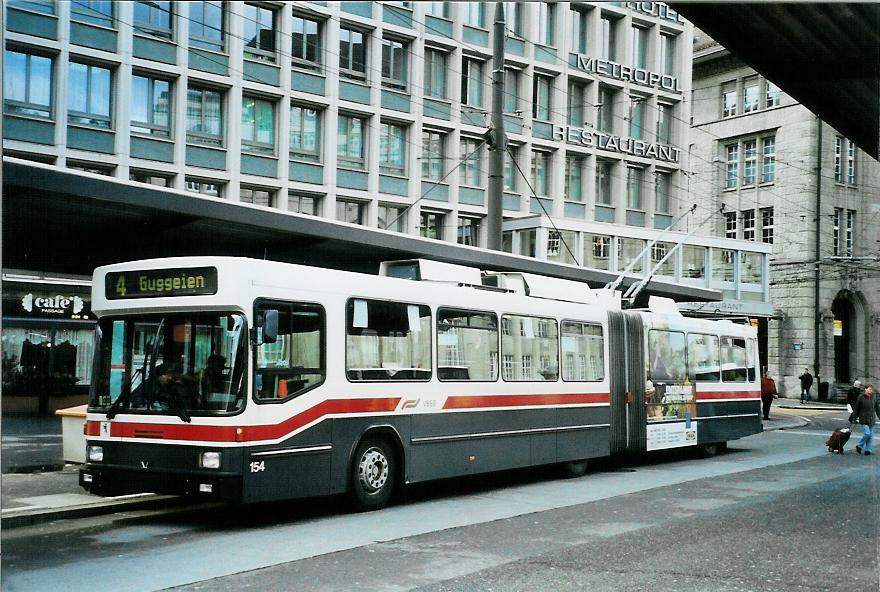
(373, 475)
(575, 468)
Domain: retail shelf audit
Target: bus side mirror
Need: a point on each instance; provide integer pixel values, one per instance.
(270, 326)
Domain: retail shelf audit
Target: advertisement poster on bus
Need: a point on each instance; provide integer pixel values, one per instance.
(670, 396)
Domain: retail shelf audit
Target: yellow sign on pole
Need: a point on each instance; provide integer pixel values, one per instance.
(838, 328)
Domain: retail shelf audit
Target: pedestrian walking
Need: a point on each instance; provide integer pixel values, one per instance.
(768, 393)
(866, 411)
(806, 383)
(852, 396)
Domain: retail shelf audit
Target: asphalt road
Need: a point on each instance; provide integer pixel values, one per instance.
(776, 512)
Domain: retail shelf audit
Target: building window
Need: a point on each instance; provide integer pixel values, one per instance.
(206, 25)
(88, 95)
(151, 106)
(835, 225)
(732, 166)
(204, 116)
(353, 212)
(209, 188)
(469, 231)
(850, 229)
(303, 203)
(838, 162)
(541, 97)
(394, 63)
(577, 92)
(772, 95)
(306, 50)
(151, 178)
(541, 173)
(350, 141)
(438, 9)
(748, 218)
(574, 167)
(637, 117)
(257, 125)
(850, 162)
(153, 18)
(730, 225)
(768, 165)
(668, 54)
(259, 33)
(435, 73)
(750, 162)
(352, 54)
(97, 12)
(750, 94)
(546, 23)
(257, 196)
(608, 28)
(662, 184)
(433, 153)
(511, 174)
(603, 181)
(392, 149)
(431, 225)
(44, 6)
(27, 84)
(391, 218)
(305, 133)
(639, 43)
(664, 123)
(470, 169)
(634, 188)
(767, 225)
(605, 115)
(513, 17)
(579, 29)
(511, 90)
(472, 82)
(89, 167)
(728, 99)
(474, 14)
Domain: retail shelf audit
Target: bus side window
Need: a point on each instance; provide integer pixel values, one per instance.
(295, 362)
(387, 341)
(583, 352)
(467, 345)
(733, 359)
(530, 348)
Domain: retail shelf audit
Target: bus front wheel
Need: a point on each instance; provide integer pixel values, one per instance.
(373, 475)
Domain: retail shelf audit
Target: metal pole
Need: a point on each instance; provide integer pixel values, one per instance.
(816, 292)
(497, 137)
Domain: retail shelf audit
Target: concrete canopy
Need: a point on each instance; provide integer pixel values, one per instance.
(825, 55)
(67, 222)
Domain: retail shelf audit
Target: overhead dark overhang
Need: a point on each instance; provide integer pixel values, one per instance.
(826, 56)
(61, 221)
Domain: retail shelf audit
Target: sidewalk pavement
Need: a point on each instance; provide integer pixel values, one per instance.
(36, 497)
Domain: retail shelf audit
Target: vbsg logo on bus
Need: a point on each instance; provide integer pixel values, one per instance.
(155, 283)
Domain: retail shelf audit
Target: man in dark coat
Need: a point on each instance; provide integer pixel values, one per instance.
(866, 411)
(852, 395)
(806, 383)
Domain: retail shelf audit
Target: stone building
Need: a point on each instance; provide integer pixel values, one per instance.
(786, 178)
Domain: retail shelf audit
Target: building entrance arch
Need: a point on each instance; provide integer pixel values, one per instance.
(848, 316)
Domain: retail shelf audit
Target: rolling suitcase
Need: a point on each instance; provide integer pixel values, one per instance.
(837, 440)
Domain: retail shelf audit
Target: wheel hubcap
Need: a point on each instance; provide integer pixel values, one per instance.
(373, 470)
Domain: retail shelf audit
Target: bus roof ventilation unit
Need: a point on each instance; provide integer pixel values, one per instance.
(425, 270)
(660, 305)
(539, 286)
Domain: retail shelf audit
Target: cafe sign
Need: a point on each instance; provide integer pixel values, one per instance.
(45, 301)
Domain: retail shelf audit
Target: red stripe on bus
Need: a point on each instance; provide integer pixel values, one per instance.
(207, 433)
(729, 395)
(475, 401)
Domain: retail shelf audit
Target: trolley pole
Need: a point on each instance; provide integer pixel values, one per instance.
(496, 137)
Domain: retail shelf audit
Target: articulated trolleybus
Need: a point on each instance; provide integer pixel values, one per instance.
(252, 381)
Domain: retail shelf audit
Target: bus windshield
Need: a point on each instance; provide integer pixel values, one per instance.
(174, 364)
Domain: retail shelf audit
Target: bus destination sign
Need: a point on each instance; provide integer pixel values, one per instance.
(155, 283)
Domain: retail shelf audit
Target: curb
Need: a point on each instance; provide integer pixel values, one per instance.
(28, 516)
(813, 407)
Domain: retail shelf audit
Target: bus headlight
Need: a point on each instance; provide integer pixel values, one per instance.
(210, 460)
(96, 453)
